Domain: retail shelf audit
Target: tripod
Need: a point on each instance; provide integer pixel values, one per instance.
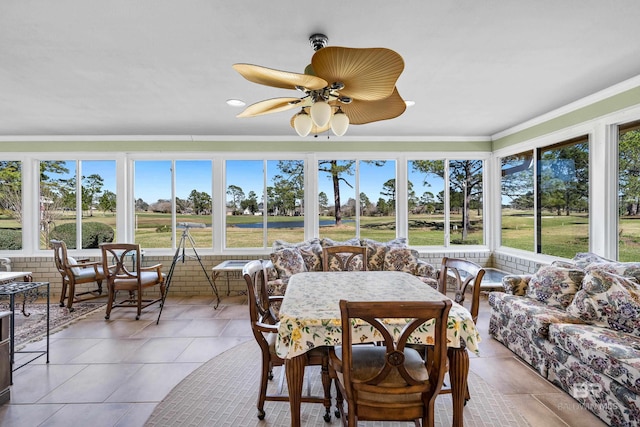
(181, 255)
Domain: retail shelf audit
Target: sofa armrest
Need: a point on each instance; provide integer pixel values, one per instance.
(270, 271)
(516, 284)
(425, 269)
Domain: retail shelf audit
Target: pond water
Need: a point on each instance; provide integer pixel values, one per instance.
(289, 224)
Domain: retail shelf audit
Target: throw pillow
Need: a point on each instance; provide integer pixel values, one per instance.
(287, 262)
(377, 250)
(609, 301)
(310, 250)
(555, 286)
(281, 244)
(583, 259)
(72, 261)
(330, 242)
(401, 259)
(626, 269)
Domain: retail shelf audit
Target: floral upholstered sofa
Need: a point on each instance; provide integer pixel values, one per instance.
(288, 259)
(578, 324)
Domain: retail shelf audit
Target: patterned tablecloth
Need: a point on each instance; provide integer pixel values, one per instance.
(310, 311)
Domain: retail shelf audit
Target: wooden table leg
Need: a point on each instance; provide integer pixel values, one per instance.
(294, 369)
(458, 372)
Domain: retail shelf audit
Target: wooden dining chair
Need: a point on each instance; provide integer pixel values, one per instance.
(457, 276)
(344, 258)
(265, 331)
(134, 282)
(75, 272)
(389, 381)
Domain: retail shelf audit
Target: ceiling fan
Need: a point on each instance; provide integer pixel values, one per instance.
(341, 86)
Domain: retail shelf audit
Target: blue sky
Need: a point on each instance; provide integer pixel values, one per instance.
(153, 178)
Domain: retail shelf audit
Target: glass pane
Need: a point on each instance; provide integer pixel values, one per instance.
(516, 192)
(57, 202)
(152, 192)
(629, 195)
(98, 202)
(285, 201)
(426, 202)
(465, 199)
(193, 201)
(10, 205)
(377, 199)
(564, 199)
(245, 184)
(336, 186)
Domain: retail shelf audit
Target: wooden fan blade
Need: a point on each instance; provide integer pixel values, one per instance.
(268, 106)
(368, 74)
(361, 112)
(276, 78)
(314, 129)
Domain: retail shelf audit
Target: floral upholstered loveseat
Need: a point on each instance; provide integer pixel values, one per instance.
(288, 259)
(578, 324)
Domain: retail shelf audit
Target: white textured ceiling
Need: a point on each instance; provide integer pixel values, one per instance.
(163, 67)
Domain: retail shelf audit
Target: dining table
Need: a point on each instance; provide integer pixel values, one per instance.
(310, 317)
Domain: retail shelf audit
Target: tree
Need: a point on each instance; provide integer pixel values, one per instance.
(251, 202)
(237, 196)
(389, 190)
(364, 204)
(200, 202)
(91, 187)
(465, 178)
(289, 186)
(107, 201)
(629, 172)
(323, 201)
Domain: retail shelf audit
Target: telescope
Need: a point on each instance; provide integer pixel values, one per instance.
(190, 225)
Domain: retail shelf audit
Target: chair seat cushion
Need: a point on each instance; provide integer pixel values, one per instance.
(147, 278)
(87, 272)
(368, 360)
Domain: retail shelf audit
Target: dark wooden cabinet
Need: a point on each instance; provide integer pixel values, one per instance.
(5, 356)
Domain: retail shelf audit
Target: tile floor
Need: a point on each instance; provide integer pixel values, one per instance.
(113, 373)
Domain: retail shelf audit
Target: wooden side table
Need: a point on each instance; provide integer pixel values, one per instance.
(226, 267)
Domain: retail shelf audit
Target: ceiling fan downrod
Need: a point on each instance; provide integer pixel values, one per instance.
(318, 41)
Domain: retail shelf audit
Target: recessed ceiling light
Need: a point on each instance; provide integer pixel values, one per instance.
(235, 102)
(410, 103)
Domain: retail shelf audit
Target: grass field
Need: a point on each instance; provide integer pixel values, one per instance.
(561, 235)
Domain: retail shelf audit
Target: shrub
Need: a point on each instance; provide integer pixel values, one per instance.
(93, 233)
(10, 239)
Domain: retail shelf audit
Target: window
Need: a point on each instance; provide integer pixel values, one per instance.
(377, 201)
(153, 207)
(193, 202)
(465, 200)
(57, 202)
(426, 202)
(77, 202)
(10, 205)
(517, 201)
(629, 192)
(245, 197)
(285, 201)
(336, 199)
(563, 198)
(98, 210)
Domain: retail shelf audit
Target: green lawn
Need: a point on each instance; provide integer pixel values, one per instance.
(561, 235)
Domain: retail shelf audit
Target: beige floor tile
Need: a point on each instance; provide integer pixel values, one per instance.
(152, 382)
(26, 415)
(203, 349)
(569, 410)
(510, 376)
(94, 384)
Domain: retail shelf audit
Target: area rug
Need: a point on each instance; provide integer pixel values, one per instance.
(34, 326)
(223, 392)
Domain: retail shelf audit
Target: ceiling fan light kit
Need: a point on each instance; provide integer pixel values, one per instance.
(302, 123)
(341, 86)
